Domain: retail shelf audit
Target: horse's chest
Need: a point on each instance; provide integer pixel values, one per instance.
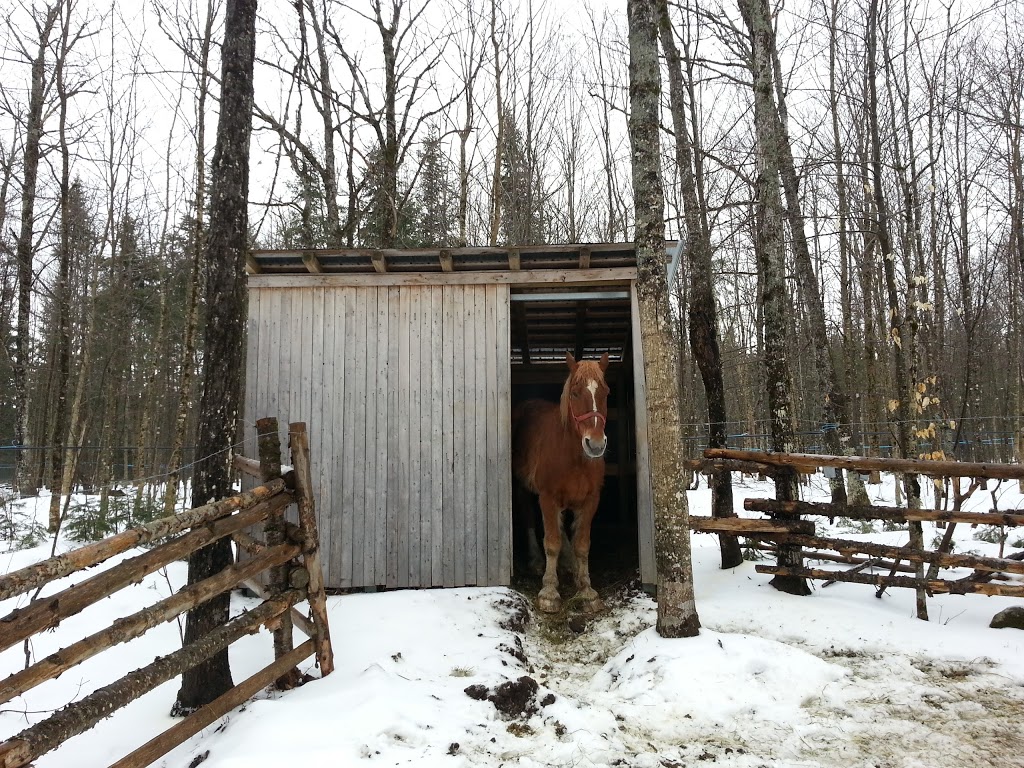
(575, 488)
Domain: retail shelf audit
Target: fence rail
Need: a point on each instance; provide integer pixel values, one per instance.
(795, 538)
(186, 532)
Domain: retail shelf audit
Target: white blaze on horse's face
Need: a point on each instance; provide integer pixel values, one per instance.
(592, 433)
(587, 395)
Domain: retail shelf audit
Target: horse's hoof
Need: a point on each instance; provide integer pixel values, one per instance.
(590, 603)
(549, 603)
(592, 606)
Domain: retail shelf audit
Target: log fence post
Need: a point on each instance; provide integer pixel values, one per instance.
(298, 440)
(269, 444)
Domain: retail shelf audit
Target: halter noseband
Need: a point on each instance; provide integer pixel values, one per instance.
(590, 415)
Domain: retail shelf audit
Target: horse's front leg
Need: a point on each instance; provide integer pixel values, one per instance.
(549, 600)
(590, 602)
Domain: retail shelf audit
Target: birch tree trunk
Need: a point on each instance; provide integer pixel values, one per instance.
(224, 331)
(701, 310)
(769, 247)
(677, 611)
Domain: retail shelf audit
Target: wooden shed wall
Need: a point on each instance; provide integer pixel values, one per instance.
(406, 393)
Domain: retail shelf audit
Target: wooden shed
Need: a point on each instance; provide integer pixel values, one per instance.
(405, 365)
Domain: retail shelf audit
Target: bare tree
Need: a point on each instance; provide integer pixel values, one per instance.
(677, 611)
(901, 404)
(200, 61)
(73, 237)
(701, 309)
(770, 250)
(408, 76)
(472, 51)
(44, 21)
(223, 337)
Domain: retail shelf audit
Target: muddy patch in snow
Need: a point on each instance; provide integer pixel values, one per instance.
(628, 697)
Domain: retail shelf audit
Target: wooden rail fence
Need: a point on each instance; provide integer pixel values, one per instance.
(290, 584)
(786, 529)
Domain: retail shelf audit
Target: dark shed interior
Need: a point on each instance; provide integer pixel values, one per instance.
(547, 323)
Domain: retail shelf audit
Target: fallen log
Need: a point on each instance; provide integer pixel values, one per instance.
(32, 576)
(938, 586)
(49, 611)
(80, 716)
(731, 465)
(247, 543)
(870, 562)
(896, 514)
(247, 466)
(298, 619)
(980, 575)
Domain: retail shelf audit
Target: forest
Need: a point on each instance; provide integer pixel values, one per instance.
(845, 179)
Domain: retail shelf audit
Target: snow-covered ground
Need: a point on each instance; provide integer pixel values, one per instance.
(839, 678)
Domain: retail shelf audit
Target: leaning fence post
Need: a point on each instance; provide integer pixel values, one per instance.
(269, 444)
(298, 441)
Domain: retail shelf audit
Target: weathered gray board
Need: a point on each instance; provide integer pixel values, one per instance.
(644, 490)
(406, 393)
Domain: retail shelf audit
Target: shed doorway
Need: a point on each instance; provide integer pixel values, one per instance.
(546, 323)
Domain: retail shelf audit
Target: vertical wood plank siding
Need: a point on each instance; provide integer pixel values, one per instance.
(406, 393)
(644, 488)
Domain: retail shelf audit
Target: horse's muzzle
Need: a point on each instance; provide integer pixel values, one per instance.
(594, 449)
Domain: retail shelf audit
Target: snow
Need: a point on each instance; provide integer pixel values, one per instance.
(839, 678)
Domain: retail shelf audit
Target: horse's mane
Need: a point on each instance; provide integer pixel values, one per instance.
(563, 404)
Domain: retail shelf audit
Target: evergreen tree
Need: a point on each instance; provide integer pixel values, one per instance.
(436, 195)
(377, 209)
(523, 221)
(307, 227)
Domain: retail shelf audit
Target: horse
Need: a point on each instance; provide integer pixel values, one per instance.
(558, 454)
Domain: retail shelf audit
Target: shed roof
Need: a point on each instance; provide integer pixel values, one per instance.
(547, 320)
(469, 259)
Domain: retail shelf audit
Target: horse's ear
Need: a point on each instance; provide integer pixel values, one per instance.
(570, 361)
(603, 362)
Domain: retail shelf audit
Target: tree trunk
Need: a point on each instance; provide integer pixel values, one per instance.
(24, 246)
(900, 412)
(495, 218)
(224, 345)
(188, 345)
(677, 611)
(701, 310)
(833, 402)
(328, 172)
(769, 248)
(62, 298)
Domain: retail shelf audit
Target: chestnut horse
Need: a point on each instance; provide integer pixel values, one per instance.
(558, 454)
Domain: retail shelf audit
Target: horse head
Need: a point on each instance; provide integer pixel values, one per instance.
(584, 403)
